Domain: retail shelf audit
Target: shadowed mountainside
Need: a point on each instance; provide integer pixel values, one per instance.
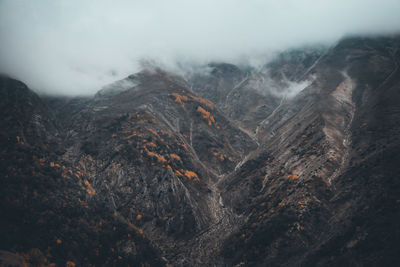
(293, 164)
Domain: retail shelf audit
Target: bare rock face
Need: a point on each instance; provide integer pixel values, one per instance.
(293, 164)
(319, 192)
(49, 214)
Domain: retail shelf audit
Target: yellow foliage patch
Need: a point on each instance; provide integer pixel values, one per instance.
(180, 99)
(302, 204)
(135, 228)
(19, 140)
(70, 264)
(219, 155)
(293, 177)
(79, 174)
(165, 133)
(153, 132)
(203, 101)
(42, 162)
(175, 156)
(132, 135)
(151, 144)
(159, 158)
(191, 175)
(139, 217)
(91, 191)
(184, 146)
(206, 115)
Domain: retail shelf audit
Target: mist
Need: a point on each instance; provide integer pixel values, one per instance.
(75, 47)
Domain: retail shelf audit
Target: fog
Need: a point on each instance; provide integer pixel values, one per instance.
(77, 46)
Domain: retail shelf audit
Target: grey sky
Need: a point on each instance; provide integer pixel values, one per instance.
(77, 46)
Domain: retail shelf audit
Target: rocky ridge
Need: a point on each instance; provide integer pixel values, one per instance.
(293, 164)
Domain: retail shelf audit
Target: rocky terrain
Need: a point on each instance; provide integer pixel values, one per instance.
(291, 164)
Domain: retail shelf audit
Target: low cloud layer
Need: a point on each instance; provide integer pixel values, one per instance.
(77, 46)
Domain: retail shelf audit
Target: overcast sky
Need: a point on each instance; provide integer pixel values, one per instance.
(77, 46)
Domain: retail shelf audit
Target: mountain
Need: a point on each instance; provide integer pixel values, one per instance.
(323, 191)
(48, 214)
(291, 164)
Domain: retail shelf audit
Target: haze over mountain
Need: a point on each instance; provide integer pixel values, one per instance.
(74, 47)
(229, 167)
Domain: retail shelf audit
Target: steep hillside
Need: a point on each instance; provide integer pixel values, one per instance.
(155, 151)
(48, 212)
(292, 164)
(323, 189)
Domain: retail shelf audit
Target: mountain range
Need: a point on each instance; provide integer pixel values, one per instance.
(294, 163)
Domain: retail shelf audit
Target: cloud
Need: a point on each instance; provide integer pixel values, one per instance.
(77, 46)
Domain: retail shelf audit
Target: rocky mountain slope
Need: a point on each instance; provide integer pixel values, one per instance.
(323, 190)
(292, 164)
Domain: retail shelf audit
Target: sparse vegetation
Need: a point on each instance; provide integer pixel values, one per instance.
(206, 115)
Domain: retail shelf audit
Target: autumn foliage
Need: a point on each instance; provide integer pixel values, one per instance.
(160, 158)
(89, 188)
(19, 140)
(70, 264)
(180, 99)
(191, 175)
(206, 115)
(175, 157)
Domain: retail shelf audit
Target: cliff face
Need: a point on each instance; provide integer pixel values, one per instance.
(294, 164)
(49, 215)
(323, 189)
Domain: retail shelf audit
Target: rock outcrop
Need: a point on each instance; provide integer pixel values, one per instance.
(292, 164)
